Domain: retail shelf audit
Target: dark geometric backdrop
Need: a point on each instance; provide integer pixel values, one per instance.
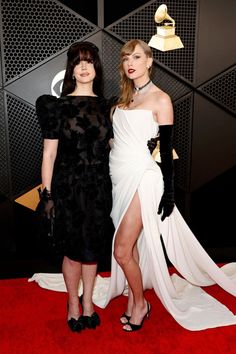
(200, 78)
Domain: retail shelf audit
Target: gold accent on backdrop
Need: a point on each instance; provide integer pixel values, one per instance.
(29, 199)
(157, 156)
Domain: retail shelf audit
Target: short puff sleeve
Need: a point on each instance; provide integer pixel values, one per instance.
(47, 110)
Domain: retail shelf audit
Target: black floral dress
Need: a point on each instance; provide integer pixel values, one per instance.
(81, 185)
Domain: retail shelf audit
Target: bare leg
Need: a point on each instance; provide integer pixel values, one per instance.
(131, 300)
(89, 272)
(125, 242)
(72, 272)
(129, 308)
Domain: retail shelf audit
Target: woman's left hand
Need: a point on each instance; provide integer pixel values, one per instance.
(166, 205)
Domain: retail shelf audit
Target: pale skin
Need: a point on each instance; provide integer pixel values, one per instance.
(135, 67)
(73, 271)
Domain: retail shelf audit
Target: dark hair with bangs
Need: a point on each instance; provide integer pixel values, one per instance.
(82, 51)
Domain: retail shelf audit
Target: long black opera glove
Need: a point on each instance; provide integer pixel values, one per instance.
(46, 204)
(167, 202)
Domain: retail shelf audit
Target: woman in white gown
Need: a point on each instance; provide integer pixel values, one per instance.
(140, 189)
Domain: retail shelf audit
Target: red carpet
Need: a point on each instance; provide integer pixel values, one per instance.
(32, 320)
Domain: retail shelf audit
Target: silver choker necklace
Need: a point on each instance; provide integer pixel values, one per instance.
(137, 89)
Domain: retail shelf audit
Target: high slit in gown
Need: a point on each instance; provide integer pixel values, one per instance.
(132, 169)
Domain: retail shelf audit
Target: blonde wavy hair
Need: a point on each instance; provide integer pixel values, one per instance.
(126, 84)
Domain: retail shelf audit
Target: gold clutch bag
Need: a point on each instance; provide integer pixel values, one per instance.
(157, 156)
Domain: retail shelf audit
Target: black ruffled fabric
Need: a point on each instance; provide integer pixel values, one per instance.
(81, 185)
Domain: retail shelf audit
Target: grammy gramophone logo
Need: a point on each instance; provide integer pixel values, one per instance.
(165, 39)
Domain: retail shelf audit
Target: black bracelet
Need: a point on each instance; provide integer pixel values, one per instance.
(45, 195)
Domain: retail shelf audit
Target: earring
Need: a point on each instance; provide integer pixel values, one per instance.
(73, 77)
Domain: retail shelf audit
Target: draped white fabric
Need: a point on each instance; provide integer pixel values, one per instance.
(133, 169)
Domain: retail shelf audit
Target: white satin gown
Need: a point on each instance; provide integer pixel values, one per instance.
(132, 169)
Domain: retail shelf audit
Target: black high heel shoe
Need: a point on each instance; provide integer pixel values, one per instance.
(90, 321)
(135, 327)
(125, 317)
(75, 325)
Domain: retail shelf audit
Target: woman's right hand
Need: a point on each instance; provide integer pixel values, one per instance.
(46, 204)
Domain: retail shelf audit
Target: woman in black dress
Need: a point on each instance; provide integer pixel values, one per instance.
(75, 175)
